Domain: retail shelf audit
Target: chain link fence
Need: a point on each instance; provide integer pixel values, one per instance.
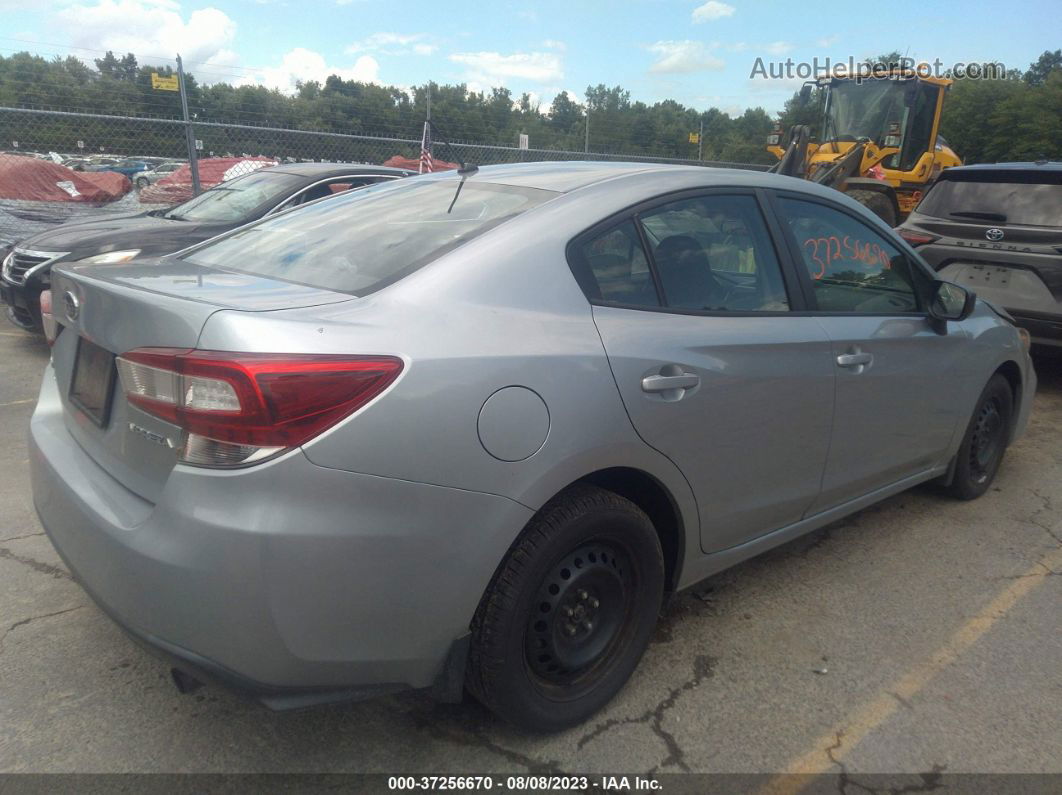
(58, 166)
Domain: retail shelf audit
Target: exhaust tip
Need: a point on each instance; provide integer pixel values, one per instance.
(185, 683)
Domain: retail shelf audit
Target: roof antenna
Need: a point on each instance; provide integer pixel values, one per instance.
(465, 169)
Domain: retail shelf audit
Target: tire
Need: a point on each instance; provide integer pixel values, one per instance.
(141, 183)
(569, 612)
(985, 442)
(877, 203)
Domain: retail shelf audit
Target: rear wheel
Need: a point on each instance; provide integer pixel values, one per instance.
(141, 183)
(877, 203)
(985, 441)
(569, 613)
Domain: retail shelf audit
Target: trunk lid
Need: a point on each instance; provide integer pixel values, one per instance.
(108, 310)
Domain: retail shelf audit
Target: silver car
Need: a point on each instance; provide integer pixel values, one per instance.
(468, 430)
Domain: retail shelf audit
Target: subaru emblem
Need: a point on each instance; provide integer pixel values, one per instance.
(994, 233)
(71, 306)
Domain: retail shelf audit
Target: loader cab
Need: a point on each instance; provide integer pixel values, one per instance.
(896, 114)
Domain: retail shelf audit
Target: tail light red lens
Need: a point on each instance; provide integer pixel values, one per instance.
(917, 238)
(48, 322)
(250, 400)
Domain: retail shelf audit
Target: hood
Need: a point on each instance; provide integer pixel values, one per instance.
(152, 234)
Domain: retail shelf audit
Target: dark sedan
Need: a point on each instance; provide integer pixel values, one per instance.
(27, 267)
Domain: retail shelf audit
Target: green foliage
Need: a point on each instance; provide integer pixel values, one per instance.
(119, 86)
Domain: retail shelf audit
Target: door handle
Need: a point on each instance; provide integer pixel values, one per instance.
(854, 359)
(664, 383)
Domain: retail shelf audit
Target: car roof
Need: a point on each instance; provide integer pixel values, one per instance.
(567, 176)
(1039, 165)
(324, 170)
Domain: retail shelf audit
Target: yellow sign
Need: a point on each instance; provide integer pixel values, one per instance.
(161, 83)
(695, 138)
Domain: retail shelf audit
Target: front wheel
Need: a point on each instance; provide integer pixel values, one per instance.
(141, 183)
(569, 612)
(982, 448)
(877, 203)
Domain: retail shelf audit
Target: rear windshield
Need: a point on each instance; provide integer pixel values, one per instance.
(1003, 202)
(237, 200)
(361, 241)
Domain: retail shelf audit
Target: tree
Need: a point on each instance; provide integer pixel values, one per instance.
(1039, 70)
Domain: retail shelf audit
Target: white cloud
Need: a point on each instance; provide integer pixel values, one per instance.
(305, 65)
(394, 44)
(553, 44)
(677, 57)
(827, 41)
(778, 47)
(153, 30)
(495, 69)
(712, 10)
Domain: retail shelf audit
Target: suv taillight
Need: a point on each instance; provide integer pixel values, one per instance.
(241, 408)
(917, 238)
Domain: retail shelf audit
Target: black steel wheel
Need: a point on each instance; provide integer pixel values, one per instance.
(985, 442)
(569, 612)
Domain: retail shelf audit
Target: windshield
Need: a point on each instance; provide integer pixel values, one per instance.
(863, 110)
(1017, 203)
(366, 239)
(238, 199)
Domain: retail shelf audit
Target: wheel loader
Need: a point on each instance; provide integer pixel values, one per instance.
(878, 139)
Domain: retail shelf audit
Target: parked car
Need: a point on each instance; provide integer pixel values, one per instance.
(118, 238)
(997, 229)
(125, 166)
(469, 429)
(145, 178)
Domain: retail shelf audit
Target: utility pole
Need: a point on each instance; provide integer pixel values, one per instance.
(193, 160)
(586, 142)
(429, 101)
(700, 141)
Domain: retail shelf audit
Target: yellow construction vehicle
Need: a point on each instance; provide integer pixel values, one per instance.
(879, 140)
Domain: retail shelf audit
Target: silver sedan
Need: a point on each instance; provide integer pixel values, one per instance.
(468, 430)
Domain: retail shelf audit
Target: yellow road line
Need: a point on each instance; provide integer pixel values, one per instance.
(17, 402)
(847, 734)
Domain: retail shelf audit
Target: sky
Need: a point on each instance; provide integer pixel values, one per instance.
(698, 52)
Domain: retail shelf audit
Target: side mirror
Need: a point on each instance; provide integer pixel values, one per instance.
(949, 301)
(805, 94)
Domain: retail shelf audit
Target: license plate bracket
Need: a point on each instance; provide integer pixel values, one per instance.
(92, 385)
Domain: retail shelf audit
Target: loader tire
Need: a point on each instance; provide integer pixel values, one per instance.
(877, 203)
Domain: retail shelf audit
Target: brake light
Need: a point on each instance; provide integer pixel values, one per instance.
(48, 322)
(917, 238)
(240, 408)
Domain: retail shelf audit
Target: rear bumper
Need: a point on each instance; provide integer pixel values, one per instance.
(292, 582)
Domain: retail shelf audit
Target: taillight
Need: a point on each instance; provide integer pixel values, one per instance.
(48, 322)
(240, 408)
(917, 238)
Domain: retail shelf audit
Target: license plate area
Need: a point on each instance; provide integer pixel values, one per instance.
(986, 275)
(92, 386)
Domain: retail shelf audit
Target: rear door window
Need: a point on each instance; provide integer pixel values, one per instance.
(713, 253)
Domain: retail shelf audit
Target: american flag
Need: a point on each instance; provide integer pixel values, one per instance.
(426, 165)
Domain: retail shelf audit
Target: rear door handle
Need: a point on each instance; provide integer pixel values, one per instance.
(663, 383)
(854, 359)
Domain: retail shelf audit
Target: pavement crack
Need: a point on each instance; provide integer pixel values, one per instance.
(20, 538)
(703, 668)
(31, 619)
(474, 736)
(931, 780)
(36, 565)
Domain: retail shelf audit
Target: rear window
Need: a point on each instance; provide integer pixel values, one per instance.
(361, 241)
(995, 201)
